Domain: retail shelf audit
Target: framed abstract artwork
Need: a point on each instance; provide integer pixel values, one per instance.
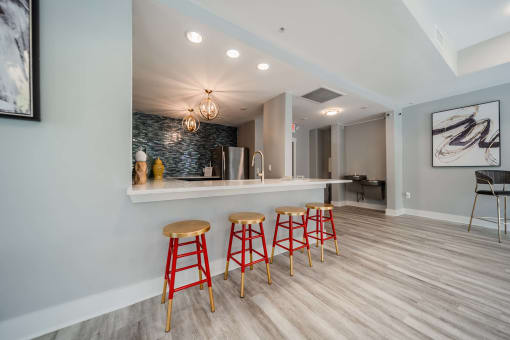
(467, 136)
(19, 59)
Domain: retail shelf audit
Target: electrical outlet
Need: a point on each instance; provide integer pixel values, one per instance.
(408, 195)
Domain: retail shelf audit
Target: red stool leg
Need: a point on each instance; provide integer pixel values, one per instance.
(317, 227)
(199, 261)
(306, 224)
(208, 272)
(305, 235)
(172, 283)
(290, 246)
(275, 235)
(243, 259)
(229, 250)
(322, 235)
(334, 231)
(167, 268)
(265, 253)
(251, 246)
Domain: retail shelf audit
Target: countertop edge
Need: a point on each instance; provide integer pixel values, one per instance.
(190, 191)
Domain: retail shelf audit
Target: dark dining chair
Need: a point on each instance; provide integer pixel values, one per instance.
(496, 181)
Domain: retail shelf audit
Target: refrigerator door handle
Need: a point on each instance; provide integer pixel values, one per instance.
(223, 165)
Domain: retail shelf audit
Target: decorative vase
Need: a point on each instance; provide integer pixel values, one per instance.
(140, 173)
(157, 169)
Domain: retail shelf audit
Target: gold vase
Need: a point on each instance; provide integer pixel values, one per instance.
(157, 169)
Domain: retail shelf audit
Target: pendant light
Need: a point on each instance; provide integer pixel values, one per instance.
(208, 108)
(190, 123)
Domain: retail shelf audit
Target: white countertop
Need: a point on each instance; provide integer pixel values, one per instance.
(171, 189)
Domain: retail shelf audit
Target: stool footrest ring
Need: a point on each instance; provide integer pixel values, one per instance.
(190, 285)
(248, 263)
(303, 244)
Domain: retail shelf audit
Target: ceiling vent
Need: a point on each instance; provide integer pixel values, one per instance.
(321, 95)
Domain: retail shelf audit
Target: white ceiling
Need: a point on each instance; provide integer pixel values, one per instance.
(467, 22)
(170, 73)
(377, 45)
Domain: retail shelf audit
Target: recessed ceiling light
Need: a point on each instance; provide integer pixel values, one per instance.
(194, 37)
(233, 53)
(263, 66)
(331, 111)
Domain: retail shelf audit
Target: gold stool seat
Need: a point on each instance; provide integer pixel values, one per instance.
(188, 228)
(247, 218)
(291, 211)
(319, 206)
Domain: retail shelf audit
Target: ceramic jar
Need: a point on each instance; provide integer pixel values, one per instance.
(157, 169)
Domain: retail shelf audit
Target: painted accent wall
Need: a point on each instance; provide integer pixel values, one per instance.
(447, 190)
(182, 153)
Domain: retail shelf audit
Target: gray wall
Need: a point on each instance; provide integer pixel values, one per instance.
(365, 149)
(323, 152)
(365, 153)
(246, 138)
(68, 227)
(314, 153)
(302, 136)
(447, 190)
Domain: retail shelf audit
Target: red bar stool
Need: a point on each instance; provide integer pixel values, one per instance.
(319, 218)
(247, 218)
(176, 231)
(291, 226)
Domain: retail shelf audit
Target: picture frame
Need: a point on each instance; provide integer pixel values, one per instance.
(467, 136)
(19, 59)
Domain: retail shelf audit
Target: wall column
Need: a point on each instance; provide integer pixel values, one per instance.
(277, 122)
(337, 161)
(394, 171)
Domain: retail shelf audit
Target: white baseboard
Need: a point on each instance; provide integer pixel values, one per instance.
(395, 212)
(50, 319)
(415, 212)
(449, 218)
(372, 206)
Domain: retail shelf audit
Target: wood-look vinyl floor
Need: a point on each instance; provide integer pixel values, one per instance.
(396, 278)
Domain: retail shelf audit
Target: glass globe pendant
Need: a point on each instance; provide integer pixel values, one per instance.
(208, 108)
(190, 123)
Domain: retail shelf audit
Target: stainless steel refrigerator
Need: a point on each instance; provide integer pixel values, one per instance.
(231, 162)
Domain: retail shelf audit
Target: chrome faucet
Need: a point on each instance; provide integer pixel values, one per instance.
(260, 174)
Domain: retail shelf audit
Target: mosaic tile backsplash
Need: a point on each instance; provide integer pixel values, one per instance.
(183, 153)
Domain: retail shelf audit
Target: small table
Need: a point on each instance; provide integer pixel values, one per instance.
(364, 182)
